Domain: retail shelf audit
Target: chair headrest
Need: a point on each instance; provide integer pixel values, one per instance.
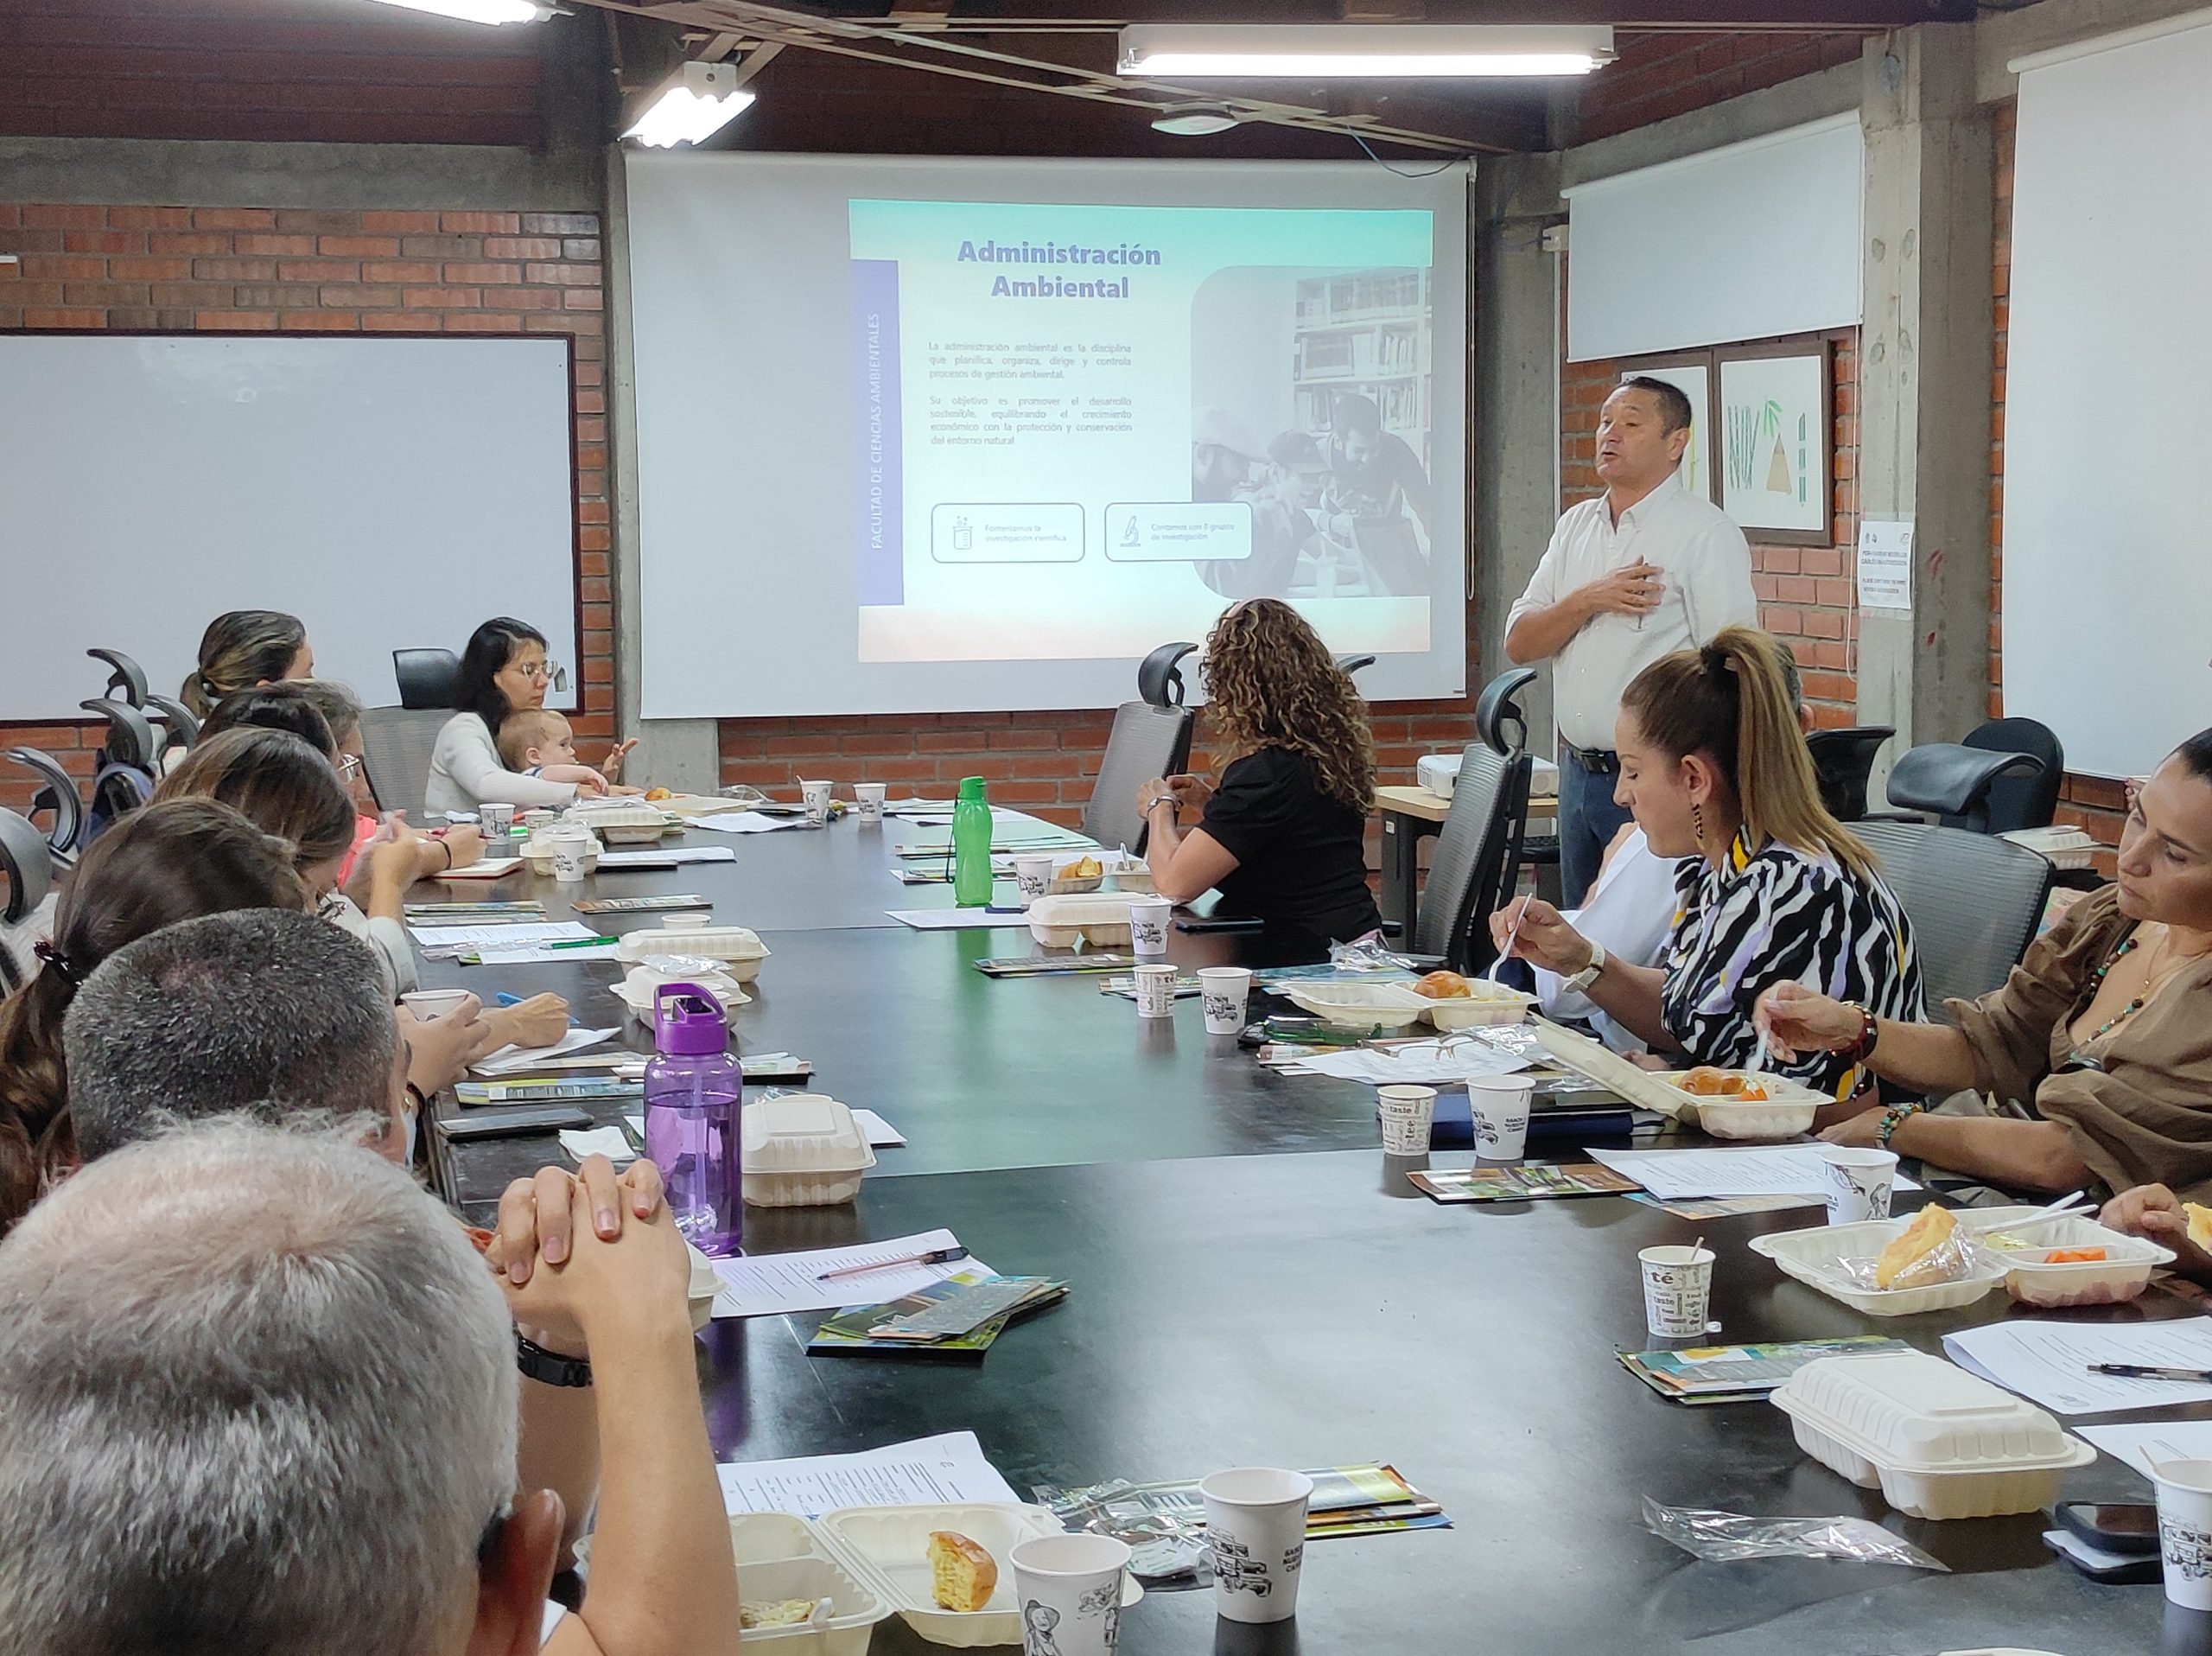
(1949, 778)
(427, 678)
(177, 721)
(1158, 679)
(129, 734)
(57, 792)
(126, 680)
(28, 862)
(1353, 663)
(1498, 718)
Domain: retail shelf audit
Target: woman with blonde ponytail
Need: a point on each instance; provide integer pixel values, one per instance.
(242, 648)
(1772, 888)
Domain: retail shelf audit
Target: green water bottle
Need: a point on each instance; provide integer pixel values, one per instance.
(971, 845)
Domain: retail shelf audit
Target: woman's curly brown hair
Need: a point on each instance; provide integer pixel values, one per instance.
(1271, 683)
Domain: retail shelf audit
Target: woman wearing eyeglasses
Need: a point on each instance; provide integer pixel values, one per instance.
(2104, 1031)
(503, 671)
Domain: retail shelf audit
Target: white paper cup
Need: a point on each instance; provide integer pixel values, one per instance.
(1408, 1113)
(2185, 1530)
(1070, 1591)
(1256, 1529)
(539, 818)
(1148, 926)
(1155, 991)
(817, 796)
(1499, 1106)
(571, 846)
(497, 820)
(694, 921)
(1224, 990)
(1858, 1182)
(870, 795)
(1032, 877)
(1677, 1291)
(427, 1003)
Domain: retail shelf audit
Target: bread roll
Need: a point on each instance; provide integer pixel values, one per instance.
(961, 1575)
(2200, 1223)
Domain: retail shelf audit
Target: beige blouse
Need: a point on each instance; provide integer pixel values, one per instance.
(2145, 1116)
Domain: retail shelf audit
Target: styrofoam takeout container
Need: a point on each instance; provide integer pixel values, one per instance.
(1814, 1256)
(1790, 1103)
(622, 823)
(1100, 918)
(891, 1544)
(1360, 1006)
(1936, 1441)
(2124, 1273)
(538, 851)
(1486, 1006)
(802, 1150)
(1787, 1110)
(636, 989)
(736, 949)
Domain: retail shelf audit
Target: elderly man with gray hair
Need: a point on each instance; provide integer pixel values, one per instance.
(258, 1396)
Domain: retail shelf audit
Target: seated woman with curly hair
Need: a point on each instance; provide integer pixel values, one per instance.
(1282, 834)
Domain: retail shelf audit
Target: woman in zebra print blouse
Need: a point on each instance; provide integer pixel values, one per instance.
(1771, 888)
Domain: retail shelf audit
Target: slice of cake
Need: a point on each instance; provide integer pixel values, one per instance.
(1930, 1229)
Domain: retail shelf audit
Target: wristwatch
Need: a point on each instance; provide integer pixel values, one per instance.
(1588, 975)
(549, 1367)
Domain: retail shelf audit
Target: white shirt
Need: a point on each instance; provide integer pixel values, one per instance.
(466, 771)
(1630, 915)
(1707, 568)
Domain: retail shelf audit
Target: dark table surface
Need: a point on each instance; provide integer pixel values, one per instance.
(1230, 1303)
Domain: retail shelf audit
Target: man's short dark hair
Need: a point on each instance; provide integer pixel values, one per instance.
(1674, 411)
(274, 1014)
(1354, 412)
(1293, 449)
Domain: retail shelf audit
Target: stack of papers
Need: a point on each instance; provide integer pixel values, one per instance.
(925, 1471)
(745, 822)
(2154, 1440)
(775, 1284)
(1413, 1063)
(2049, 1362)
(959, 1318)
(516, 1061)
(1741, 1373)
(1770, 1170)
(1531, 1182)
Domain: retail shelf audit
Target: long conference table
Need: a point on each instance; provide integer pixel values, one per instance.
(1253, 1282)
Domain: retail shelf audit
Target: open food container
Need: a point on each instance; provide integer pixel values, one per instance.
(2024, 1244)
(735, 951)
(1786, 1112)
(1359, 1006)
(1815, 1257)
(1485, 1005)
(1098, 919)
(1936, 1441)
(1071, 875)
(636, 990)
(802, 1150)
(781, 1557)
(1132, 875)
(890, 1546)
(621, 822)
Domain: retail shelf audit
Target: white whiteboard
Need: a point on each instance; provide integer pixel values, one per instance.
(390, 492)
(2107, 579)
(1750, 241)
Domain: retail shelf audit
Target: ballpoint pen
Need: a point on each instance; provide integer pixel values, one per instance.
(934, 1257)
(2152, 1372)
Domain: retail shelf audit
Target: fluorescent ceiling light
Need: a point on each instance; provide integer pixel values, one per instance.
(1302, 51)
(480, 11)
(695, 103)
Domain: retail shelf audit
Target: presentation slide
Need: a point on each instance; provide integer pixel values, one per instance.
(1051, 416)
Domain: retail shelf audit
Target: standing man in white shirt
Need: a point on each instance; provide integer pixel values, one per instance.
(1643, 571)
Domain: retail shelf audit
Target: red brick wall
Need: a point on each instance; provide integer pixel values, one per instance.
(1664, 73)
(182, 269)
(262, 69)
(2090, 802)
(1808, 595)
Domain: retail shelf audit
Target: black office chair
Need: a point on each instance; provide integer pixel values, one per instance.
(1159, 679)
(1952, 782)
(1146, 741)
(1351, 663)
(427, 678)
(57, 796)
(1975, 901)
(2020, 800)
(180, 728)
(1843, 761)
(26, 875)
(124, 779)
(1499, 720)
(126, 679)
(1478, 853)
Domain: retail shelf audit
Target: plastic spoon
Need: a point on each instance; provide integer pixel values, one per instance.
(1511, 936)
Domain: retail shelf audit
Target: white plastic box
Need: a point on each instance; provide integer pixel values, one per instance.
(637, 987)
(1814, 1258)
(1937, 1441)
(802, 1150)
(1360, 1006)
(1787, 1110)
(622, 823)
(736, 950)
(1488, 1005)
(1099, 918)
(2124, 1273)
(538, 851)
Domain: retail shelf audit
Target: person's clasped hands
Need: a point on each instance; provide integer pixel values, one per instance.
(572, 1249)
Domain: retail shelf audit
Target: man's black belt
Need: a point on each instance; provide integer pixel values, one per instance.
(1599, 762)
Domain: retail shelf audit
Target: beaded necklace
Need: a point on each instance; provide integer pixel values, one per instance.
(2096, 981)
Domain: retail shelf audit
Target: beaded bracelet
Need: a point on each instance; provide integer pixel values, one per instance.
(1894, 1117)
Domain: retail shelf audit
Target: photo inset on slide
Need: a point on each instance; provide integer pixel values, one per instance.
(1311, 402)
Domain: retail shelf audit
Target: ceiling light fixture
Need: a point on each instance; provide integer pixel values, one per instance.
(479, 11)
(694, 103)
(1302, 51)
(1195, 121)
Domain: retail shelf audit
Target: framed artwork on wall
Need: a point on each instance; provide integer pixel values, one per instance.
(1774, 426)
(1691, 374)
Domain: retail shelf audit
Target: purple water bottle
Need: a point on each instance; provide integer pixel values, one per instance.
(695, 1091)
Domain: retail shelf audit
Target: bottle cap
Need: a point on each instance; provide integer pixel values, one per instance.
(688, 1021)
(971, 788)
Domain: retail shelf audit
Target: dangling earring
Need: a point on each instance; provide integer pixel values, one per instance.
(1697, 819)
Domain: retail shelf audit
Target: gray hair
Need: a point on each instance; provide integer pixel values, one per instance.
(263, 1011)
(258, 1396)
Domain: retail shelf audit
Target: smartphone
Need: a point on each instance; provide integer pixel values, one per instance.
(1202, 925)
(512, 1124)
(2129, 1527)
(2100, 1564)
